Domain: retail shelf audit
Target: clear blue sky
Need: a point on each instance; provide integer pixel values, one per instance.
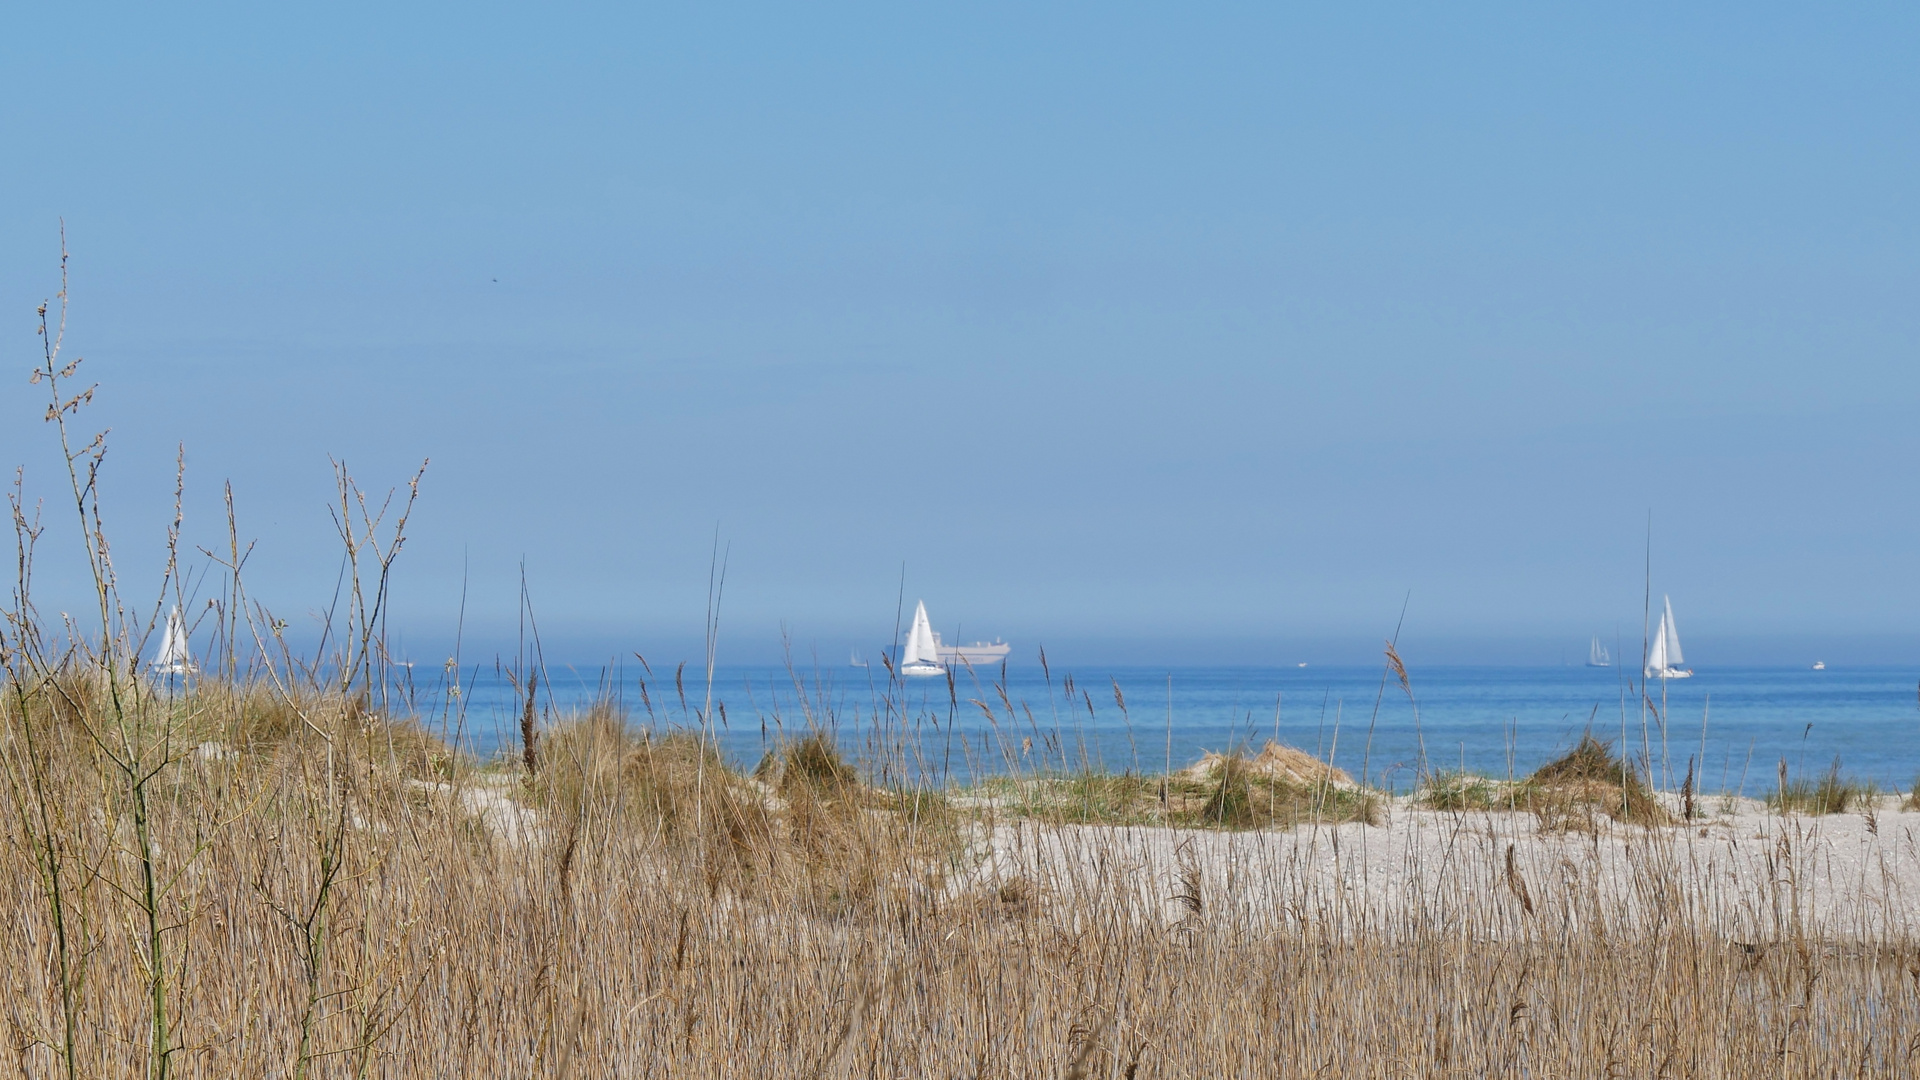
(1177, 331)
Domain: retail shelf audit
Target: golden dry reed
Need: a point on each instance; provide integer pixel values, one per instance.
(345, 900)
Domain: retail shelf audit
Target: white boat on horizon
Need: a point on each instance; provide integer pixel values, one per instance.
(174, 658)
(921, 654)
(1597, 655)
(1819, 665)
(855, 661)
(1663, 652)
(926, 654)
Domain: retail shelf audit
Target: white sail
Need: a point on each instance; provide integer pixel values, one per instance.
(173, 657)
(1597, 655)
(922, 653)
(921, 648)
(1674, 657)
(1663, 649)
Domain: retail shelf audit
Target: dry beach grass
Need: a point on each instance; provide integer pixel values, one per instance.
(334, 904)
(275, 869)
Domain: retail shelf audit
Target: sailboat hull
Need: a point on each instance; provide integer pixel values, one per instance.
(1670, 673)
(922, 670)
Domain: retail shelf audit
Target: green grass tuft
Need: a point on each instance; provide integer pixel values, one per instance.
(1831, 794)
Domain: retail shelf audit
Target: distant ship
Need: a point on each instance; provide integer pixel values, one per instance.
(1597, 655)
(978, 654)
(1663, 655)
(1819, 665)
(924, 653)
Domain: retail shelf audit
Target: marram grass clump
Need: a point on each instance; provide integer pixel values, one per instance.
(1250, 793)
(1575, 791)
(1588, 780)
(1831, 794)
(1458, 791)
(811, 763)
(1279, 788)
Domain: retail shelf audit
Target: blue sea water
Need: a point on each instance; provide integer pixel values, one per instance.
(1490, 720)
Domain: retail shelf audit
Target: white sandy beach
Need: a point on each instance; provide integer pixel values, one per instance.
(1755, 875)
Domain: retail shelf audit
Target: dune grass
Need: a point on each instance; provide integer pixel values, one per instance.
(1575, 791)
(335, 907)
(1832, 793)
(1465, 791)
(1224, 792)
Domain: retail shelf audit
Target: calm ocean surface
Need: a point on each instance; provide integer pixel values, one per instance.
(1492, 720)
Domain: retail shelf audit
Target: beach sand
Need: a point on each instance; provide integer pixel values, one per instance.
(1749, 874)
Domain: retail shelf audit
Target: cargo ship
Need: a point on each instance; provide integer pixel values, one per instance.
(978, 654)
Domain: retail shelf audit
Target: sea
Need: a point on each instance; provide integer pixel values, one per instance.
(1732, 727)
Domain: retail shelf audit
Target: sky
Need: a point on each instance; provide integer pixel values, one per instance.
(1150, 333)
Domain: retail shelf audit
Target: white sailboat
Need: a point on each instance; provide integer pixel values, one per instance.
(856, 661)
(1597, 655)
(1663, 654)
(921, 656)
(174, 658)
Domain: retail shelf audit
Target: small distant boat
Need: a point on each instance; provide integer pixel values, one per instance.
(174, 658)
(855, 660)
(921, 656)
(1302, 663)
(1819, 665)
(1597, 655)
(1663, 655)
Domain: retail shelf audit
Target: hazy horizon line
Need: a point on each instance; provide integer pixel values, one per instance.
(1446, 650)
